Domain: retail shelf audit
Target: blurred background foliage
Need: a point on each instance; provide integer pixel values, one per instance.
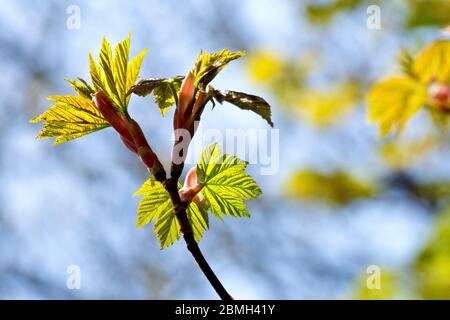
(287, 79)
(342, 200)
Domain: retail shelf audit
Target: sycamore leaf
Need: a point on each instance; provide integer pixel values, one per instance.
(106, 63)
(393, 101)
(433, 63)
(162, 89)
(198, 217)
(133, 70)
(115, 75)
(225, 185)
(245, 101)
(156, 205)
(81, 87)
(120, 67)
(70, 117)
(164, 97)
(97, 76)
(208, 65)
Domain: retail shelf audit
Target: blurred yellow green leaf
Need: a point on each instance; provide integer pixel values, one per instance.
(393, 101)
(402, 154)
(433, 264)
(325, 107)
(335, 188)
(433, 63)
(264, 65)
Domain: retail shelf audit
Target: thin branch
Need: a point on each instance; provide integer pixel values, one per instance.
(192, 245)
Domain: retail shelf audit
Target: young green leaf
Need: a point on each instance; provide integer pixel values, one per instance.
(433, 63)
(120, 67)
(244, 101)
(393, 101)
(133, 70)
(116, 75)
(81, 87)
(70, 117)
(225, 185)
(163, 89)
(156, 205)
(208, 65)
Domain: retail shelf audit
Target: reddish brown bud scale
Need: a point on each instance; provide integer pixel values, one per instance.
(106, 108)
(144, 150)
(191, 189)
(129, 144)
(439, 96)
(185, 99)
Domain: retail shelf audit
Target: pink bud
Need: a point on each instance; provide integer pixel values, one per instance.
(191, 190)
(439, 96)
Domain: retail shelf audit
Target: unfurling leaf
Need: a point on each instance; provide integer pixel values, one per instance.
(393, 101)
(245, 101)
(70, 117)
(162, 89)
(433, 64)
(156, 205)
(116, 75)
(208, 65)
(225, 185)
(81, 87)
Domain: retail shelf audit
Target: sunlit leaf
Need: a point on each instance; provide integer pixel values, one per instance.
(70, 117)
(106, 63)
(393, 101)
(134, 66)
(246, 102)
(157, 206)
(225, 185)
(120, 68)
(115, 74)
(208, 65)
(433, 63)
(81, 87)
(162, 89)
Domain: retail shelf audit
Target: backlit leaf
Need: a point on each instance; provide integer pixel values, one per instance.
(70, 117)
(157, 206)
(246, 102)
(225, 185)
(115, 74)
(162, 89)
(208, 65)
(433, 62)
(393, 101)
